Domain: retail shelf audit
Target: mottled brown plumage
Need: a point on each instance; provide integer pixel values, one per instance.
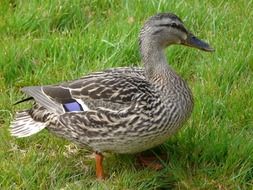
(122, 110)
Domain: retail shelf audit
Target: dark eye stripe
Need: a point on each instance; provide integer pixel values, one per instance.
(174, 25)
(168, 25)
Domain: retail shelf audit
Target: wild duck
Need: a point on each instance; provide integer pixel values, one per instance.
(121, 110)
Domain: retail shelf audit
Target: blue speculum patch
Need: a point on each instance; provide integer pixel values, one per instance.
(72, 106)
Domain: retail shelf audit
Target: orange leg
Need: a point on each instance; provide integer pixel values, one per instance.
(99, 166)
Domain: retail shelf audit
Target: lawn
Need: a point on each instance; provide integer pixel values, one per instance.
(45, 42)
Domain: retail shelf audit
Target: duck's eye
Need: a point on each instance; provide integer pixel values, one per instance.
(174, 25)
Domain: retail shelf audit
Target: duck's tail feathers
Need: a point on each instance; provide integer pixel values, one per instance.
(24, 125)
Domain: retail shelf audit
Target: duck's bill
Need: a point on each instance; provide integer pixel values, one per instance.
(193, 41)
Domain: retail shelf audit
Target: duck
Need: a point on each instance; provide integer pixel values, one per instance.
(122, 110)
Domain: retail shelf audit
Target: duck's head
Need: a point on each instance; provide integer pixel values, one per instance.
(165, 29)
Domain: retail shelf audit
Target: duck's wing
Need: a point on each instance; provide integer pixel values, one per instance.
(112, 89)
(89, 109)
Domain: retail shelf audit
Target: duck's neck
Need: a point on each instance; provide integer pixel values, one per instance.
(156, 67)
(159, 73)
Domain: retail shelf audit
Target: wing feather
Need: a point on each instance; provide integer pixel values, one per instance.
(40, 97)
(112, 89)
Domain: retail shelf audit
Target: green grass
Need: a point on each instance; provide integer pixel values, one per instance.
(45, 42)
